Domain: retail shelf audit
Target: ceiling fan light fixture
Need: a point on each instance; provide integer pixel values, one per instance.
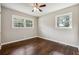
(35, 9)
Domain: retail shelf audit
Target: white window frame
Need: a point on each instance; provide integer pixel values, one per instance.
(70, 21)
(21, 17)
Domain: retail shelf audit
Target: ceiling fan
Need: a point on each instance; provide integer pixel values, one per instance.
(38, 6)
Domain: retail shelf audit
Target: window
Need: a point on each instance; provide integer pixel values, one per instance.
(29, 23)
(18, 22)
(21, 22)
(64, 21)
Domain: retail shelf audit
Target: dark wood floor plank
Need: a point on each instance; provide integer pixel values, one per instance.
(38, 46)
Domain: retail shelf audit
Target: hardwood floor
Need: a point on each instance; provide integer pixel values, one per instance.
(38, 46)
(0, 52)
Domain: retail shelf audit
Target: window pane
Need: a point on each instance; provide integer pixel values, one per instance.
(63, 21)
(28, 23)
(18, 22)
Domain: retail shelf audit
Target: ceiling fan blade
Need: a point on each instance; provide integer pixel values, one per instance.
(36, 3)
(40, 10)
(42, 5)
(32, 10)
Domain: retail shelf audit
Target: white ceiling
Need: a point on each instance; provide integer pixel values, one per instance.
(27, 7)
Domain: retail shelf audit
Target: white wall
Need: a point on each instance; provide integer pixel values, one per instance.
(9, 34)
(48, 30)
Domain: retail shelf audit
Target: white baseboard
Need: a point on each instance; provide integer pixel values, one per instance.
(17, 40)
(60, 42)
(40, 37)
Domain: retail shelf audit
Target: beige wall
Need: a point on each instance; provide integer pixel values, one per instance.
(8, 33)
(48, 30)
(43, 27)
(0, 26)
